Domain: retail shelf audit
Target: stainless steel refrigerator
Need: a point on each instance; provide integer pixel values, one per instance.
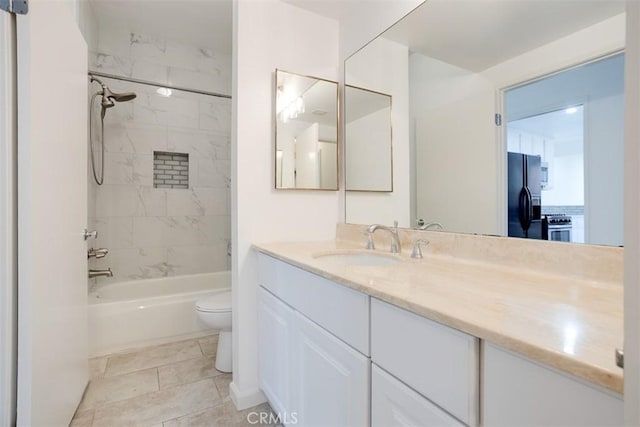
(524, 196)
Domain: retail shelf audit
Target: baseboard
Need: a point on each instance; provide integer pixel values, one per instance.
(246, 399)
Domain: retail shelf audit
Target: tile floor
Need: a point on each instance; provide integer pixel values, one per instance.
(168, 385)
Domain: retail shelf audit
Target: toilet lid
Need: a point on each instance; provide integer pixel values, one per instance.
(216, 303)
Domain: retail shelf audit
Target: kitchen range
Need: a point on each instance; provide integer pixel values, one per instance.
(556, 227)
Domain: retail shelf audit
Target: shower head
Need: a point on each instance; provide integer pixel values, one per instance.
(109, 98)
(118, 97)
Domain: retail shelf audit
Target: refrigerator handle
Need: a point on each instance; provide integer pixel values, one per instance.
(529, 207)
(524, 207)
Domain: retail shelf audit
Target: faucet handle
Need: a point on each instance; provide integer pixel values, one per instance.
(416, 253)
(370, 244)
(97, 253)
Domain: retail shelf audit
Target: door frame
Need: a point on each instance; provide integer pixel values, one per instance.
(8, 221)
(501, 130)
(631, 215)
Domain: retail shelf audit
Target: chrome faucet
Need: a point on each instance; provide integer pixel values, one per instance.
(416, 252)
(435, 225)
(97, 253)
(98, 273)
(396, 246)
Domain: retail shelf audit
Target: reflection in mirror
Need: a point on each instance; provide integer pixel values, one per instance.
(306, 154)
(505, 78)
(368, 144)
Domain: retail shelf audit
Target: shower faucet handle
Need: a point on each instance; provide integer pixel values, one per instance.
(88, 234)
(97, 253)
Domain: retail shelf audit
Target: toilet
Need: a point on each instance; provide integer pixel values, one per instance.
(215, 312)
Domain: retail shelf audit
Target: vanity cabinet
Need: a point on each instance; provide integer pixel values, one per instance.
(395, 404)
(332, 356)
(519, 391)
(331, 379)
(275, 341)
(306, 370)
(437, 361)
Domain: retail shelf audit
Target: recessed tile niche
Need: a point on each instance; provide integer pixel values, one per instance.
(170, 170)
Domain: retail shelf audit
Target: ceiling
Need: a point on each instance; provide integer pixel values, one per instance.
(205, 24)
(562, 125)
(477, 34)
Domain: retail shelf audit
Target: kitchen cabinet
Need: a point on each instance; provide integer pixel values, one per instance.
(519, 391)
(395, 404)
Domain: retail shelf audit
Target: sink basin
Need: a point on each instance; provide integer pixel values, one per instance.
(359, 258)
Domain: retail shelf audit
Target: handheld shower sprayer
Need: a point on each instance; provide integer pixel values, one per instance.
(109, 99)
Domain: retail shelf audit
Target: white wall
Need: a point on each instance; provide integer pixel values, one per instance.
(383, 67)
(269, 34)
(604, 159)
(368, 153)
(455, 154)
(87, 22)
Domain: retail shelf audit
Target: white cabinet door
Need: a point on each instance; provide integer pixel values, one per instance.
(53, 367)
(275, 344)
(331, 379)
(518, 391)
(437, 361)
(395, 404)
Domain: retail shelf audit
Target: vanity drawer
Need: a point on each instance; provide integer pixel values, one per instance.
(340, 310)
(439, 362)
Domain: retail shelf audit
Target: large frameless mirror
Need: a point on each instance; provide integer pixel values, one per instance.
(508, 119)
(306, 132)
(368, 140)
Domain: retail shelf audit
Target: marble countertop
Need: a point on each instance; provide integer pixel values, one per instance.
(568, 323)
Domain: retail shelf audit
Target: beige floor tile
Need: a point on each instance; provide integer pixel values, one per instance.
(187, 371)
(222, 415)
(261, 415)
(112, 389)
(209, 345)
(82, 418)
(97, 366)
(225, 415)
(222, 383)
(156, 407)
(152, 357)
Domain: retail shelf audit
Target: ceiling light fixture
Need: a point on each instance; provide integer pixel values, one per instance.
(288, 105)
(571, 110)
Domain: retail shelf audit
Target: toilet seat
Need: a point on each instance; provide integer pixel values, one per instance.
(219, 303)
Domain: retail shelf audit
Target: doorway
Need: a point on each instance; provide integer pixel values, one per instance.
(574, 122)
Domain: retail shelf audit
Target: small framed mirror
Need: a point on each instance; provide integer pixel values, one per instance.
(306, 116)
(368, 140)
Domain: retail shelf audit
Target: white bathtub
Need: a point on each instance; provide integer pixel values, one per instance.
(132, 314)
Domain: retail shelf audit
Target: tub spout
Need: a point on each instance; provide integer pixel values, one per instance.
(99, 273)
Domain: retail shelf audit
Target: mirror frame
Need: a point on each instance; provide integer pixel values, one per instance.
(347, 189)
(275, 134)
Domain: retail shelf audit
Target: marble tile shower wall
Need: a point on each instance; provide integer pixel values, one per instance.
(154, 232)
(126, 53)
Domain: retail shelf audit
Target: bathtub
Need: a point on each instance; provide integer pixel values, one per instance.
(132, 314)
